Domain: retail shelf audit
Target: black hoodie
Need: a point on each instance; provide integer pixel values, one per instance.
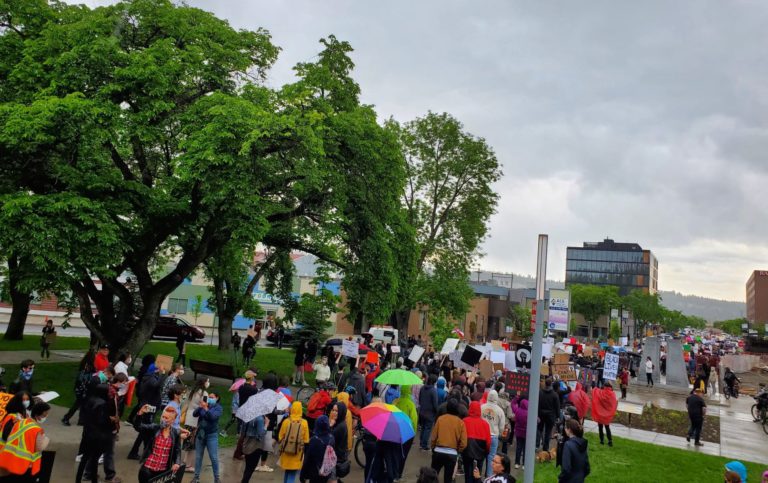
(575, 461)
(549, 404)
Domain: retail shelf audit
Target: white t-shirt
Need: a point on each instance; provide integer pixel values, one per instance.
(648, 366)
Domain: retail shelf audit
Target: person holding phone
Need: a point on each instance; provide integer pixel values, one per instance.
(208, 414)
(163, 452)
(500, 465)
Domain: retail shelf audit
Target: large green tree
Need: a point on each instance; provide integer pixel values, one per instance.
(157, 115)
(593, 301)
(448, 201)
(645, 307)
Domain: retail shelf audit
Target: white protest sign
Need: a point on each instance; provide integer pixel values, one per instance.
(349, 348)
(497, 357)
(611, 367)
(510, 363)
(546, 351)
(395, 349)
(416, 353)
(449, 346)
(485, 349)
(455, 357)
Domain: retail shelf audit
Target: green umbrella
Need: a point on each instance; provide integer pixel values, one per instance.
(399, 377)
(687, 347)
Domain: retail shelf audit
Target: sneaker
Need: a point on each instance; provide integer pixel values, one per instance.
(688, 438)
(223, 434)
(101, 459)
(698, 444)
(259, 468)
(517, 467)
(267, 469)
(610, 443)
(65, 422)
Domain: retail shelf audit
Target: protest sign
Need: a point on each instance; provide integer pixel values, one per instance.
(546, 350)
(517, 382)
(416, 353)
(395, 349)
(510, 362)
(169, 476)
(496, 345)
(497, 357)
(561, 358)
(498, 367)
(164, 362)
(523, 357)
(565, 372)
(455, 357)
(611, 367)
(471, 356)
(449, 346)
(486, 368)
(349, 348)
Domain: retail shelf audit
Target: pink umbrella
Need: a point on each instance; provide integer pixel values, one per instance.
(236, 385)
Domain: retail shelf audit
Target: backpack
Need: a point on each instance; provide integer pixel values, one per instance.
(329, 461)
(292, 443)
(81, 384)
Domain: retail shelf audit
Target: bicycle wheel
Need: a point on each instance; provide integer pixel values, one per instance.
(304, 394)
(755, 413)
(359, 453)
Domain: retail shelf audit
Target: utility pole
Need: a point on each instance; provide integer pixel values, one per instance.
(533, 385)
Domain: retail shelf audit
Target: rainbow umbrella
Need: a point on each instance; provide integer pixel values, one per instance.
(387, 422)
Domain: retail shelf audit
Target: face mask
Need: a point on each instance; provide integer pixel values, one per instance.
(163, 423)
(181, 372)
(102, 377)
(41, 420)
(211, 400)
(25, 404)
(27, 375)
(207, 384)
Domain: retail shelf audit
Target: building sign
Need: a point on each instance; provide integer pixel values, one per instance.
(559, 303)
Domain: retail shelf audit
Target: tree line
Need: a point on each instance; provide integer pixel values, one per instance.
(140, 144)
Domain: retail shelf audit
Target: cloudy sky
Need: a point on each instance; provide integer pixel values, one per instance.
(640, 121)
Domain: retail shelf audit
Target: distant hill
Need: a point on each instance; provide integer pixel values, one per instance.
(710, 309)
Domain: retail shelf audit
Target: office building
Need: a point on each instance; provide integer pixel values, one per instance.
(757, 297)
(624, 265)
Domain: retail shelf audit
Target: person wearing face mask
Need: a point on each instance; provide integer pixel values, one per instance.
(24, 380)
(20, 457)
(177, 370)
(208, 414)
(16, 410)
(163, 451)
(190, 421)
(149, 394)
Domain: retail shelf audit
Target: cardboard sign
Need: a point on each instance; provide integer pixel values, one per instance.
(349, 348)
(517, 382)
(449, 346)
(164, 363)
(395, 349)
(561, 358)
(416, 353)
(587, 351)
(50, 338)
(498, 367)
(611, 367)
(486, 368)
(545, 369)
(372, 357)
(565, 372)
(510, 363)
(496, 345)
(471, 356)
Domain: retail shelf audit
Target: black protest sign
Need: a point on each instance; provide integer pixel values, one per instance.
(471, 356)
(169, 476)
(517, 382)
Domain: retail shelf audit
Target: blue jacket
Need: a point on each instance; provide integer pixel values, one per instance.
(208, 419)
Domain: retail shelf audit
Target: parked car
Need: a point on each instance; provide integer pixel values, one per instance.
(170, 326)
(287, 335)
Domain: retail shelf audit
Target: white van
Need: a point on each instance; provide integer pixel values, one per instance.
(385, 334)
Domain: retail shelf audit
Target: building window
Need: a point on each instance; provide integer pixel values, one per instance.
(423, 320)
(177, 306)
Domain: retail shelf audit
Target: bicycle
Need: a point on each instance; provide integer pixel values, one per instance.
(358, 449)
(731, 390)
(760, 414)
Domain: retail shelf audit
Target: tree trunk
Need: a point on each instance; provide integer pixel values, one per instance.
(20, 301)
(18, 320)
(141, 332)
(225, 331)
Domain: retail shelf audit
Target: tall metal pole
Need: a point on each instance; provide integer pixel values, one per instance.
(533, 386)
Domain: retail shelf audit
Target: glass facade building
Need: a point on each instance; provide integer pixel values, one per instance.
(624, 265)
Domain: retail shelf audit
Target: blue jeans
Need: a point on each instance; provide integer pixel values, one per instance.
(491, 454)
(425, 432)
(290, 476)
(210, 441)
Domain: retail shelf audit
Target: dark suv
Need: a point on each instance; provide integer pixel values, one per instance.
(170, 326)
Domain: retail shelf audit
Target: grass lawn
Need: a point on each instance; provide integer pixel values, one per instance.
(32, 343)
(632, 461)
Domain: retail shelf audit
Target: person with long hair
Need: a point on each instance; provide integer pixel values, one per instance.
(18, 408)
(315, 453)
(84, 372)
(340, 431)
(190, 422)
(45, 340)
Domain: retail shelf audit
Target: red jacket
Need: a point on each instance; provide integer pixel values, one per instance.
(317, 404)
(478, 433)
(100, 362)
(369, 379)
(604, 404)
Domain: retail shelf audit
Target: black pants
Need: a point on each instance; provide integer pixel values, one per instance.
(73, 409)
(623, 391)
(402, 456)
(469, 469)
(251, 462)
(545, 431)
(695, 429)
(145, 474)
(182, 358)
(145, 419)
(446, 462)
(45, 351)
(649, 378)
(519, 450)
(607, 432)
(94, 447)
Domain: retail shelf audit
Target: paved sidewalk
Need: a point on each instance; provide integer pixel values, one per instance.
(11, 359)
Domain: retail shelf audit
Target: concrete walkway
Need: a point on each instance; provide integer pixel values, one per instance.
(740, 437)
(11, 359)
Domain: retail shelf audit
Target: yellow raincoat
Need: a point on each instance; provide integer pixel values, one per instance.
(293, 461)
(343, 397)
